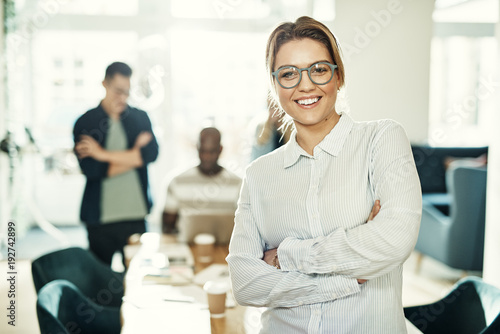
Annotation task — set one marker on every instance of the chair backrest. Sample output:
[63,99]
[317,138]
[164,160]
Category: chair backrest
[459,312]
[472,306]
[80,267]
[490,300]
[467,186]
[430,164]
[62,308]
[47,311]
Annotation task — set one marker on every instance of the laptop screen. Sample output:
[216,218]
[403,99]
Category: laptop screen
[220,225]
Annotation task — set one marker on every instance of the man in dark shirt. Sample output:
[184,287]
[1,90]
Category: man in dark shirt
[114,143]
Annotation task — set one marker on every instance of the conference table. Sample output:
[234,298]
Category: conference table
[177,304]
[153,305]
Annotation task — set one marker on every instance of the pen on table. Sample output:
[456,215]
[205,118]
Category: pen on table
[180,299]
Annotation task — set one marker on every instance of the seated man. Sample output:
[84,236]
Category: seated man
[205,189]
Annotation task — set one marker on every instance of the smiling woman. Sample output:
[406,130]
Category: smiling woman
[318,251]
[311,105]
[294,49]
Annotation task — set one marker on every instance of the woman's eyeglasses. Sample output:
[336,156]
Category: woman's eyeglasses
[290,76]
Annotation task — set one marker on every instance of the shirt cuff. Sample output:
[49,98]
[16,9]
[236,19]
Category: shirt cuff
[337,286]
[293,254]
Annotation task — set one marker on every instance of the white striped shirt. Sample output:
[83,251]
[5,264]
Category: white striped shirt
[314,209]
[194,193]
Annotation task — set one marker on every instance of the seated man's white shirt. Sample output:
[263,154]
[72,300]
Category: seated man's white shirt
[193,192]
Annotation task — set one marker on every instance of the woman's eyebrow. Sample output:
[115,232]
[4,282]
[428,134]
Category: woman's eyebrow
[315,62]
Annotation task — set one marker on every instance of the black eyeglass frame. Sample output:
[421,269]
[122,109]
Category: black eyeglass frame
[300,70]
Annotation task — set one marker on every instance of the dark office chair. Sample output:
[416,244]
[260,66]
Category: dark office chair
[457,240]
[63,309]
[93,278]
[472,307]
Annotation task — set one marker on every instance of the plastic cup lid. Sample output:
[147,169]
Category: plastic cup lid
[216,287]
[204,239]
[149,238]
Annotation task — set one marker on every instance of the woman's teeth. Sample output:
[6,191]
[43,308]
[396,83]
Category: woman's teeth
[306,102]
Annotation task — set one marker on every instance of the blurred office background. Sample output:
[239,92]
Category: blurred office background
[430,65]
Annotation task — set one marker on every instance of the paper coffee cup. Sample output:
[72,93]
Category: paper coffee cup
[216,294]
[150,242]
[204,247]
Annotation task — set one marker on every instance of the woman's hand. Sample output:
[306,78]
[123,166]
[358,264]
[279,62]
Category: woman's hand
[271,257]
[375,210]
[373,213]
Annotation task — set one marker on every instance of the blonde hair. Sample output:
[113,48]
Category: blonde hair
[303,27]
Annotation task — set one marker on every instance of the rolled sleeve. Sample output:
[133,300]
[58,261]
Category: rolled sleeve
[149,153]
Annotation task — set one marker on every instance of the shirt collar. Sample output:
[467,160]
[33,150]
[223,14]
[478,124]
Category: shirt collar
[331,144]
[105,114]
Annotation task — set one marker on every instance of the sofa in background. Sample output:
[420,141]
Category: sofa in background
[457,239]
[431,162]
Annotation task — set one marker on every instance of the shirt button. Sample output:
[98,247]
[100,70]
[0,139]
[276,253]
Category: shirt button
[334,295]
[301,303]
[334,268]
[300,267]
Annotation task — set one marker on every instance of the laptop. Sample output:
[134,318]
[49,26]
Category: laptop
[220,225]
